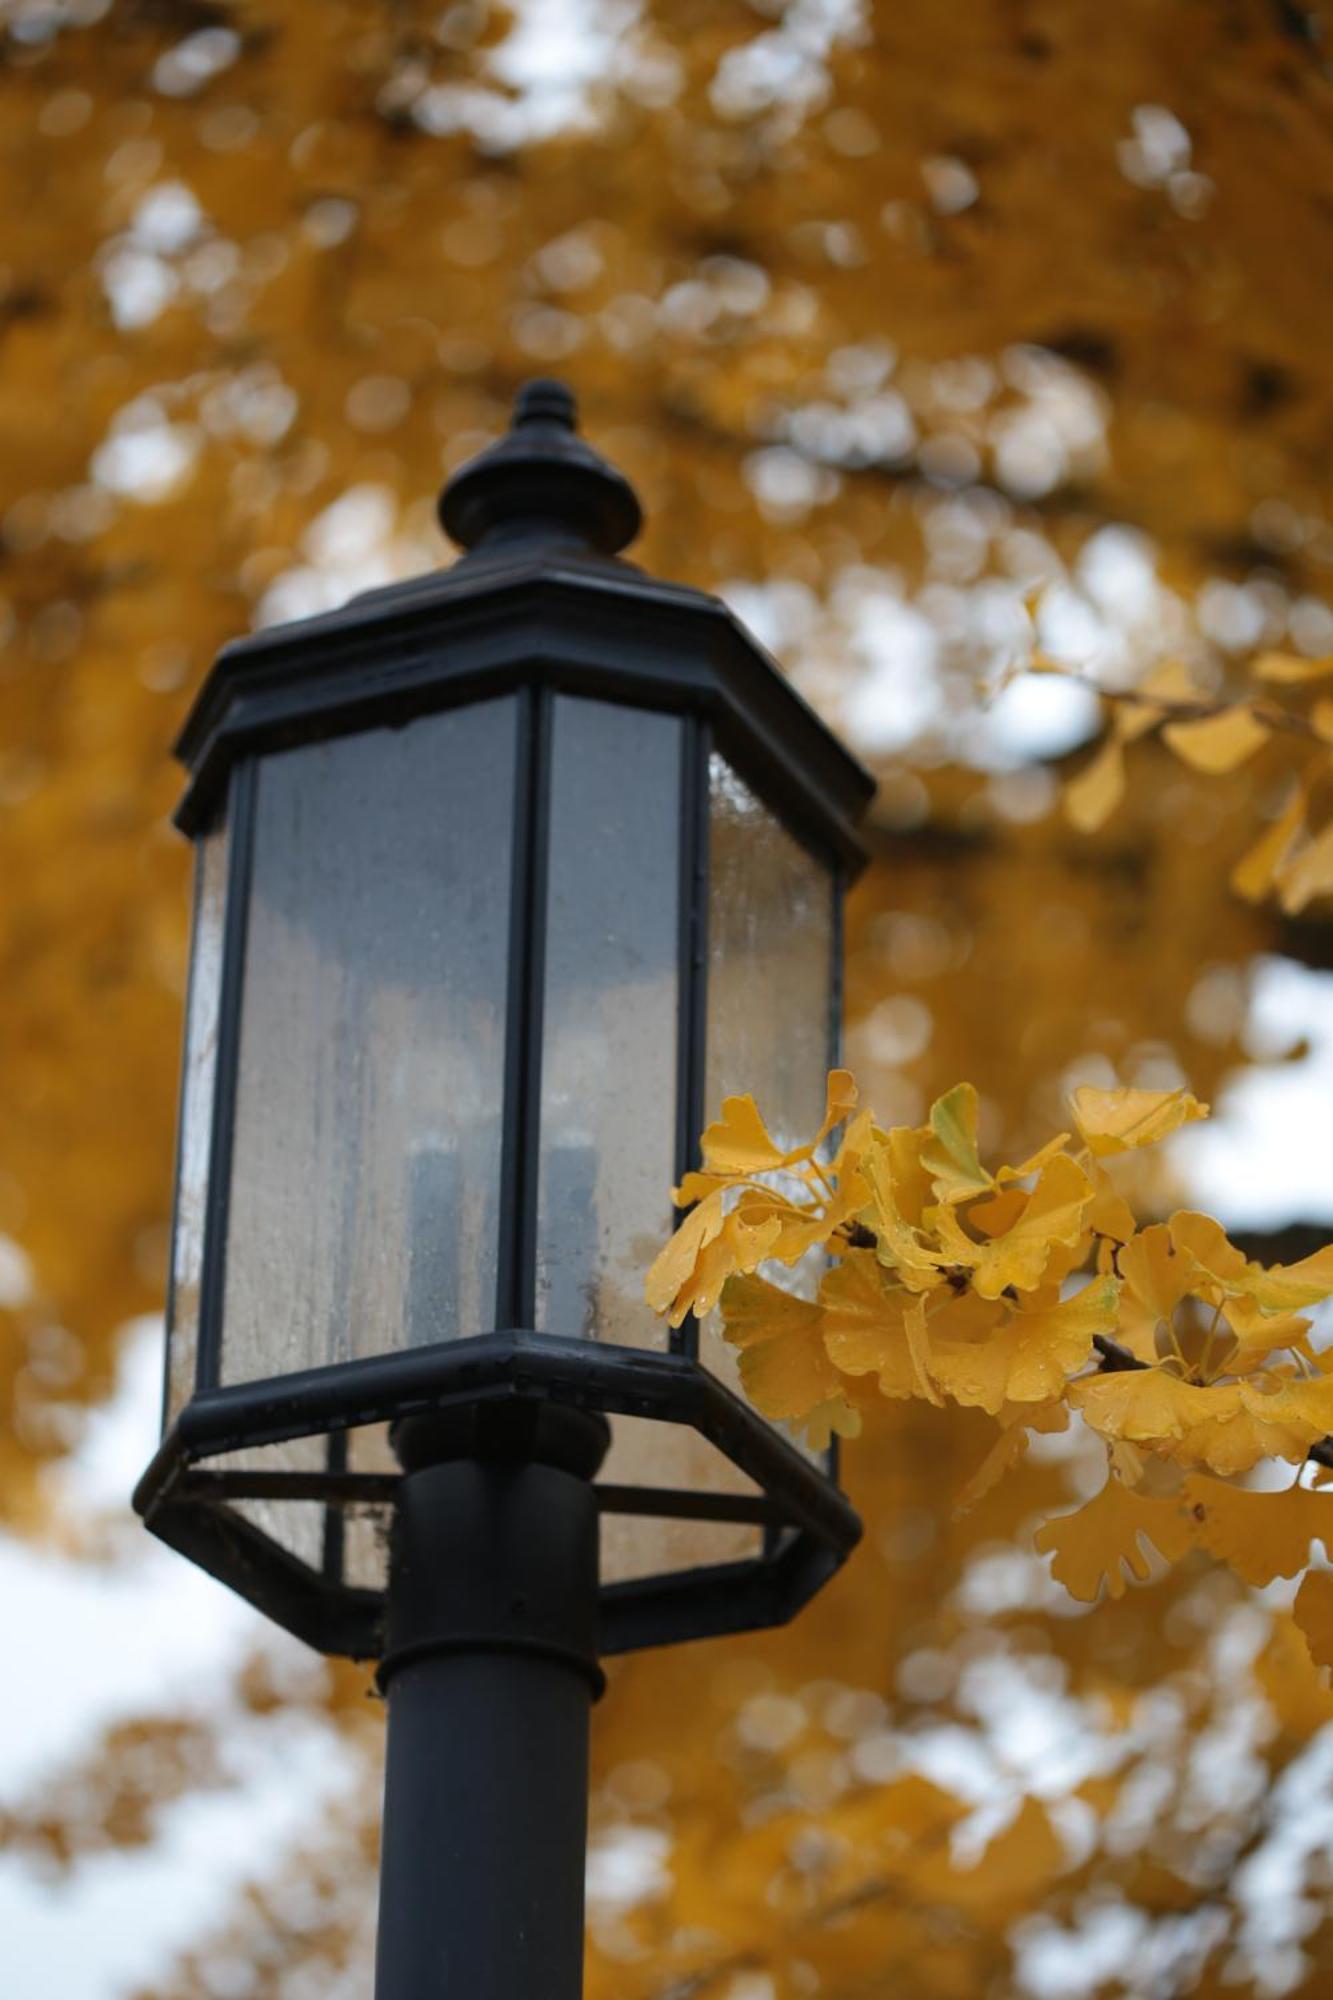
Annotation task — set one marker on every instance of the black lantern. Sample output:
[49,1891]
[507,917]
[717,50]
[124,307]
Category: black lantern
[504,876]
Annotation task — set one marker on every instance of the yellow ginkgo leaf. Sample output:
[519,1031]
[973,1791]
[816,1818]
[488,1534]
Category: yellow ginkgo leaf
[1114,1121]
[784,1367]
[840,1101]
[1290,669]
[1000,1212]
[1170,680]
[864,1324]
[1287,1288]
[912,1189]
[1095,1545]
[1157,1275]
[754,1311]
[673,1268]
[1309,874]
[1285,1413]
[1109,1214]
[1033,1165]
[1313,1612]
[1150,1405]
[1295,1688]
[1008,1450]
[1276,1288]
[741,1247]
[1094,794]
[1206,1251]
[799,1230]
[1261,1336]
[1030,1358]
[919,1348]
[1258,868]
[739,1142]
[1019,1422]
[1259,1535]
[949,1154]
[898,1245]
[1052,1216]
[708,1247]
[835,1417]
[1226,1427]
[1218,743]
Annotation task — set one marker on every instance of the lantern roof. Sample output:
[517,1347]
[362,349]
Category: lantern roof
[541,591]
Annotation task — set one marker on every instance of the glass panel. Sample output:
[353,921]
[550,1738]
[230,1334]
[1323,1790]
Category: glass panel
[644,1453]
[366,1546]
[609,1028]
[632,1549]
[295,1525]
[369,1450]
[770,960]
[366,1162]
[198,1078]
[770,957]
[366,1524]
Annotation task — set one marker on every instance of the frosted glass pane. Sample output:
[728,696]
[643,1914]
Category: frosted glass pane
[198,1079]
[644,1453]
[366,1524]
[366,1546]
[634,1549]
[610,1022]
[770,960]
[369,1450]
[770,956]
[365,1172]
[296,1525]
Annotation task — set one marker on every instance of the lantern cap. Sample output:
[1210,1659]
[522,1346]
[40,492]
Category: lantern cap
[541,484]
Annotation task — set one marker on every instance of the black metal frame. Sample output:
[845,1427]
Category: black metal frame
[534,622]
[181,1503]
[492,624]
[242,792]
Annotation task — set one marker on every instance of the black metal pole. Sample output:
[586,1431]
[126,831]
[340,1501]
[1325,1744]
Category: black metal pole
[490,1670]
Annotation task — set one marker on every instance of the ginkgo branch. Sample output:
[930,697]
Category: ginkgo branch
[1022,1290]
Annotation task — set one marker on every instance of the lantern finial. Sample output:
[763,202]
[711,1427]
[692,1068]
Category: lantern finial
[541,485]
[545,399]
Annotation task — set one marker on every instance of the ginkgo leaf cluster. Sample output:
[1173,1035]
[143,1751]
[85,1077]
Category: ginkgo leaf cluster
[1028,1291]
[1288,705]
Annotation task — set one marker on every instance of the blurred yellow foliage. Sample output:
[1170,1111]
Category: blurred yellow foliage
[930,337]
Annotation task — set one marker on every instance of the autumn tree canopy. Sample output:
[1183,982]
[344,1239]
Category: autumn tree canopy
[939,342]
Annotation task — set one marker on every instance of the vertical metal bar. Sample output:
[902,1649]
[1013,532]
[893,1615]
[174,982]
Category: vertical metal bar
[236,917]
[520,1145]
[837,971]
[191,975]
[692,971]
[335,1520]
[837,975]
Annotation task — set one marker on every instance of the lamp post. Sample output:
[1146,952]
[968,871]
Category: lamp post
[503,875]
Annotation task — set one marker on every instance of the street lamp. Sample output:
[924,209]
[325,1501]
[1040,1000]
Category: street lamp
[504,875]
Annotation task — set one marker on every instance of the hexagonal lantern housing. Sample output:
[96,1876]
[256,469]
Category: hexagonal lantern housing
[505,877]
